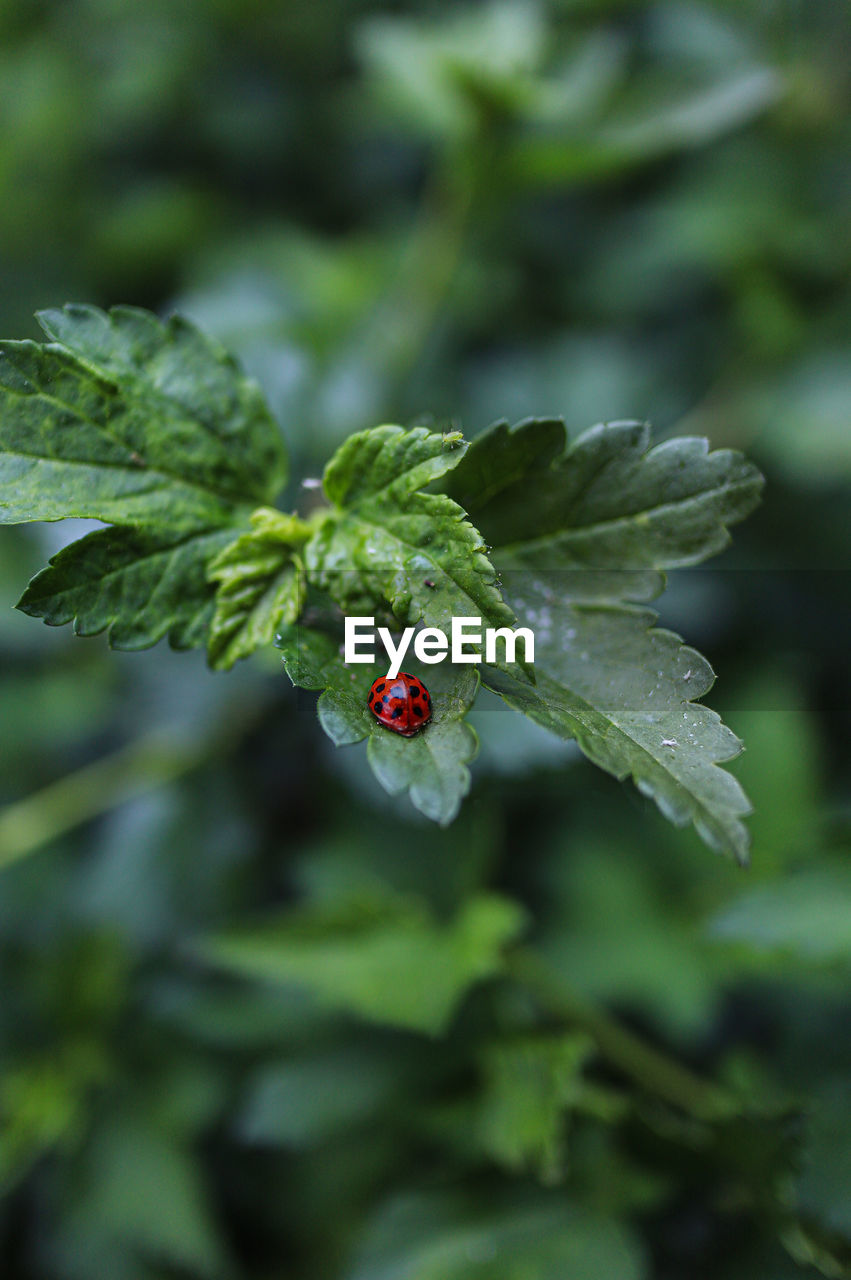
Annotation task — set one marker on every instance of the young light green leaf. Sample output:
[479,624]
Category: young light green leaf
[432,766]
[260,586]
[609,503]
[141,585]
[389,461]
[387,541]
[528,1087]
[132,422]
[625,691]
[386,960]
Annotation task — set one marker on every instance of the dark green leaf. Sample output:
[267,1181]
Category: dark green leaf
[143,1188]
[610,503]
[132,422]
[141,585]
[824,1187]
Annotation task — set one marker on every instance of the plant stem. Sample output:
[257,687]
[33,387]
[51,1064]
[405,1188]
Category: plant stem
[647,1066]
[152,761]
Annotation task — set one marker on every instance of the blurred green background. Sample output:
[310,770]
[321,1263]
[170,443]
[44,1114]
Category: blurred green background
[421,213]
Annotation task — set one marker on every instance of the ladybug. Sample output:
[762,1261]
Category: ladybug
[403,704]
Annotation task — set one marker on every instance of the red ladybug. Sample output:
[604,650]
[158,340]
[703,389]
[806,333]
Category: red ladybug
[403,704]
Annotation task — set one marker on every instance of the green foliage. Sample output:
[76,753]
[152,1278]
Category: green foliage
[126,420]
[625,691]
[433,1239]
[260,585]
[805,914]
[528,1089]
[609,502]
[606,511]
[433,765]
[139,584]
[382,959]
[388,541]
[151,428]
[430,216]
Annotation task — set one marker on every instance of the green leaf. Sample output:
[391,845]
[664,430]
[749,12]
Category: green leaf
[807,915]
[529,1085]
[143,1188]
[625,691]
[141,585]
[438,1237]
[638,136]
[260,586]
[432,766]
[504,460]
[41,1106]
[388,541]
[131,421]
[384,959]
[609,503]
[824,1189]
[319,1095]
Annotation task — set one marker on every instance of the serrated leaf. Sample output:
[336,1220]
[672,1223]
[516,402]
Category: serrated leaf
[140,585]
[432,766]
[386,960]
[625,691]
[504,458]
[389,461]
[609,503]
[260,586]
[131,421]
[388,541]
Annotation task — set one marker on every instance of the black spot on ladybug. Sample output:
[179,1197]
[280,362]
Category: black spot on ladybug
[379,688]
[415,693]
[418,712]
[396,712]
